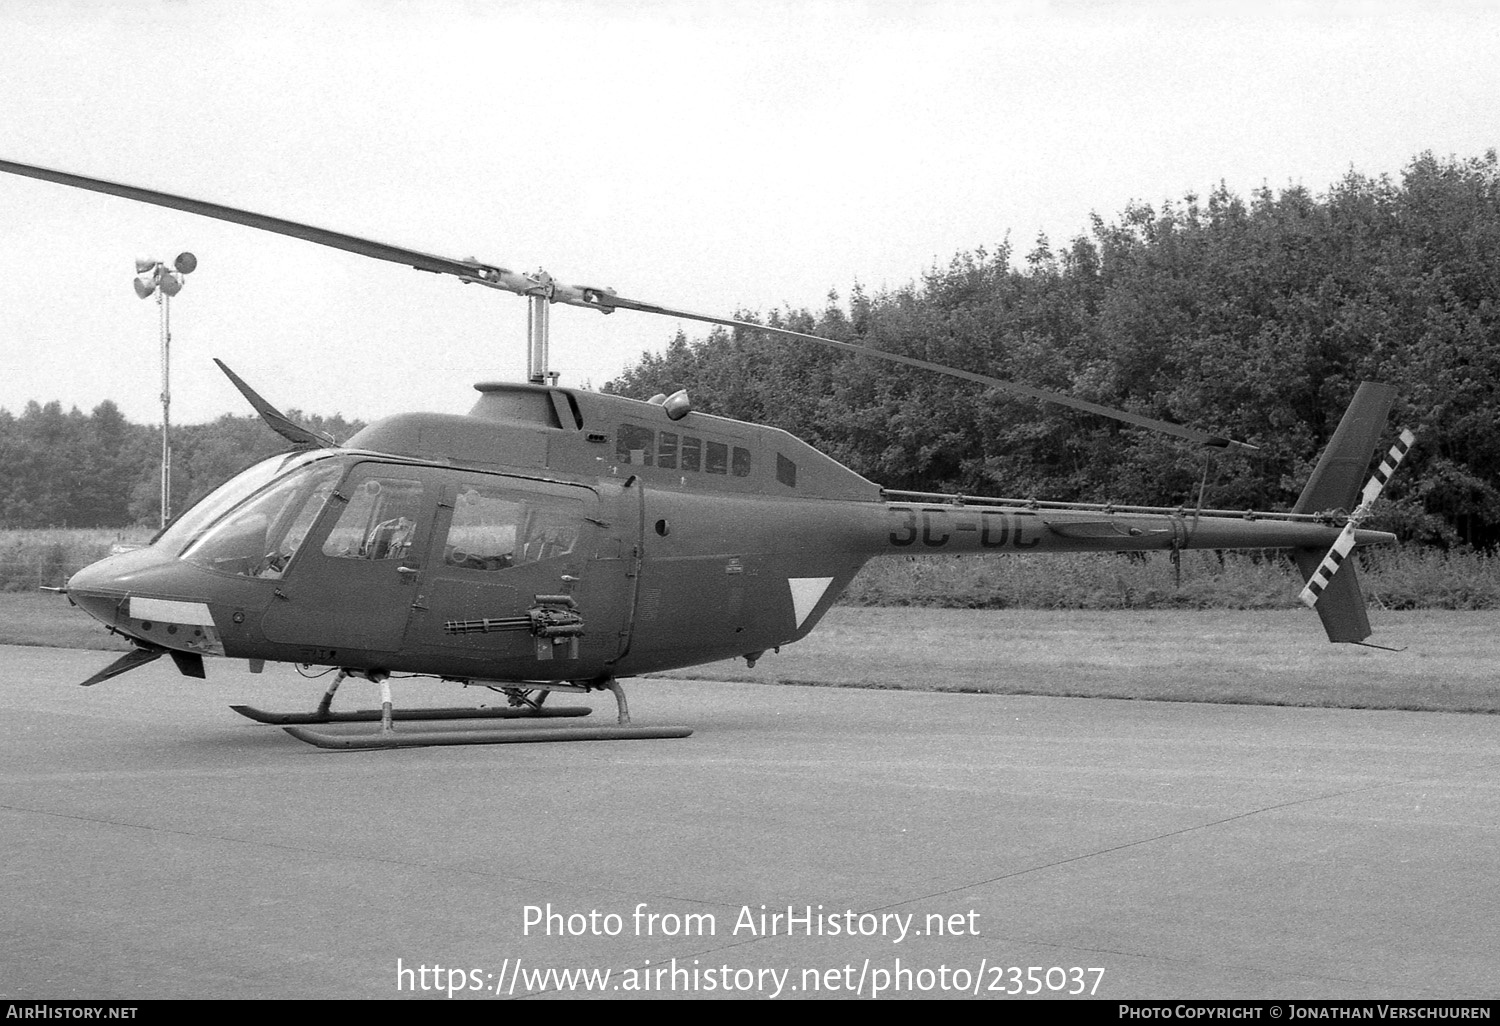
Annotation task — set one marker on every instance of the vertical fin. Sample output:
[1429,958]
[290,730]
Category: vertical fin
[1318,580]
[1335,481]
[1332,579]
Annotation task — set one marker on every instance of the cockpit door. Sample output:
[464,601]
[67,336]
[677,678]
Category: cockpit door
[353,586]
[513,560]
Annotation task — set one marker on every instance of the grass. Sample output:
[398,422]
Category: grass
[1410,578]
[45,558]
[1268,657]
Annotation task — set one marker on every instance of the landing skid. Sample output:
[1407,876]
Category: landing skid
[526,704]
[521,735]
[374,715]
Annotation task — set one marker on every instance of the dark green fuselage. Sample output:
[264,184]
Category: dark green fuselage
[561,535]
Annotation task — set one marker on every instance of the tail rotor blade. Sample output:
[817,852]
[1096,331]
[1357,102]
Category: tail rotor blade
[1386,469]
[1318,582]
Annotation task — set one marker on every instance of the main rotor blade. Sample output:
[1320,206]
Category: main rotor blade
[1191,434]
[322,236]
[603,300]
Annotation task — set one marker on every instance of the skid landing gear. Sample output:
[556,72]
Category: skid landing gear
[522,706]
[526,703]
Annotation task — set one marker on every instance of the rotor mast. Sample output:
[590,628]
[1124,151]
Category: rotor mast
[541,291]
[538,324]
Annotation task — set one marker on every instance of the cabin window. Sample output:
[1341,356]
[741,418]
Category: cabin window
[482,535]
[493,528]
[741,464]
[547,532]
[634,444]
[718,458]
[666,453]
[786,471]
[692,453]
[379,521]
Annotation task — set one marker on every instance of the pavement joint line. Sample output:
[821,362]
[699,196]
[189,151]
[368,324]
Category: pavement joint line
[732,944]
[358,857]
[1274,973]
[1168,959]
[1142,840]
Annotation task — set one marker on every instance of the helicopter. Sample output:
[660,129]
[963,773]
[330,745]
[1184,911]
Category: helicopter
[559,539]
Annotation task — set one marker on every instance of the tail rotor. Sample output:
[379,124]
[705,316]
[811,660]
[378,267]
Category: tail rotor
[1323,575]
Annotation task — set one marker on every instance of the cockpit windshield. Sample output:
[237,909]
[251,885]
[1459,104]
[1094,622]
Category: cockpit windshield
[186,528]
[267,518]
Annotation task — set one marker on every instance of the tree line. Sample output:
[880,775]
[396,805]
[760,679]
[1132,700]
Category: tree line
[98,470]
[1252,317]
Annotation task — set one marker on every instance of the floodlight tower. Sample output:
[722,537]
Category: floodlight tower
[153,276]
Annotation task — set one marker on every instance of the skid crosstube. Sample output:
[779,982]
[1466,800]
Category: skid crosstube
[497,736]
[374,715]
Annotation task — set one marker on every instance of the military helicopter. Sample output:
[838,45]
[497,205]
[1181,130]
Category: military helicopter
[557,539]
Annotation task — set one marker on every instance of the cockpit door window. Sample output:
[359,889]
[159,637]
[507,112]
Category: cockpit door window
[380,520]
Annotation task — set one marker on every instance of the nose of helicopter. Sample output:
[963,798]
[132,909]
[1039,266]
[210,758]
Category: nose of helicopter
[128,593]
[84,592]
[101,589]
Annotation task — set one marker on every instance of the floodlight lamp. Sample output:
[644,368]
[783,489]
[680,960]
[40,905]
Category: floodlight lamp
[143,264]
[185,263]
[170,284]
[144,288]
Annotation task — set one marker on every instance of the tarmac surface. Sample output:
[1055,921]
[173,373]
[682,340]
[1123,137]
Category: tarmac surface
[155,845]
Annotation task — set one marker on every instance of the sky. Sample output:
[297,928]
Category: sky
[712,156]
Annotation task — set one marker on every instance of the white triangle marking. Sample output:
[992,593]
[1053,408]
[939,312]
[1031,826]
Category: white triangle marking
[806,591]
